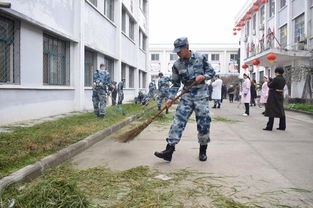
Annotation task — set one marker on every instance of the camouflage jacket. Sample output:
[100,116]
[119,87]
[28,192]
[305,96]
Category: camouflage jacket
[185,71]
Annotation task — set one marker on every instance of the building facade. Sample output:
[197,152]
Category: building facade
[50,49]
[223,58]
[283,28]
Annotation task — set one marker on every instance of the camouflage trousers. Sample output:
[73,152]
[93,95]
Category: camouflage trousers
[99,101]
[120,97]
[183,112]
[162,95]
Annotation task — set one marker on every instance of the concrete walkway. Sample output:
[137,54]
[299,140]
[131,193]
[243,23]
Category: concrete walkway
[260,160]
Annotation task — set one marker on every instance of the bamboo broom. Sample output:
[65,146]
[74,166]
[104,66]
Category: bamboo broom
[136,130]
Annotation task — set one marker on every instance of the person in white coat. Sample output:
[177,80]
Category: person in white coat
[246,94]
[217,91]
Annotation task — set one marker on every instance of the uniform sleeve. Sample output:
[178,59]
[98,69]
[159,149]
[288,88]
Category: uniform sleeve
[176,83]
[208,69]
[95,76]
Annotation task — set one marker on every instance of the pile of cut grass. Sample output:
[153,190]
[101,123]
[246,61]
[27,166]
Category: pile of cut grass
[136,187]
[26,145]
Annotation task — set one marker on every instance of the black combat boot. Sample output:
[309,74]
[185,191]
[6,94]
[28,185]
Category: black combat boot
[202,153]
[166,111]
[159,107]
[167,153]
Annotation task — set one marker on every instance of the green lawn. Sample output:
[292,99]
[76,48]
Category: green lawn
[26,145]
[298,106]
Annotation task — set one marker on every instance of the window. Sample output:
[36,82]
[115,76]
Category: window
[155,57]
[254,24]
[123,71]
[142,40]
[144,79]
[173,57]
[124,20]
[131,28]
[233,57]
[143,6]
[299,28]
[55,61]
[247,28]
[109,63]
[131,77]
[282,3]
[9,54]
[283,36]
[215,57]
[94,2]
[90,67]
[109,9]
[262,15]
[261,76]
[271,8]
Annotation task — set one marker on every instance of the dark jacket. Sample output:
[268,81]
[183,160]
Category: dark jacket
[253,90]
[274,106]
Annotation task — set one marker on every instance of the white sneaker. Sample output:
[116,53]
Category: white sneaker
[245,114]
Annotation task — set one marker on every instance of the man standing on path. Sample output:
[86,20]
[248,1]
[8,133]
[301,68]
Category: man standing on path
[120,92]
[152,88]
[101,82]
[190,67]
[217,91]
[163,87]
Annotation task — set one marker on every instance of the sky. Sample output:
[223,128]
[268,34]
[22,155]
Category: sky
[202,21]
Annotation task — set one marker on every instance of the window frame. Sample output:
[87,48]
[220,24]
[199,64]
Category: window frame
[156,55]
[109,9]
[283,39]
[89,71]
[302,25]
[215,57]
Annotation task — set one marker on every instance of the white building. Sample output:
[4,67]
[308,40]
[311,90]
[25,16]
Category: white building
[284,28]
[49,50]
[223,58]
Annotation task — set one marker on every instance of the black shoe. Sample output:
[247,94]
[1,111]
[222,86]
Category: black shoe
[266,129]
[281,129]
[214,106]
[202,152]
[166,111]
[167,153]
[219,106]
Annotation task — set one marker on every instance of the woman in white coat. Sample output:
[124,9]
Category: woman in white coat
[217,92]
[245,94]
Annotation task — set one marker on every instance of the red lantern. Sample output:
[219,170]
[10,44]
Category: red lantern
[243,24]
[234,33]
[256,3]
[271,57]
[256,62]
[238,29]
[264,1]
[238,25]
[244,66]
[242,20]
[234,29]
[255,9]
[249,12]
[248,18]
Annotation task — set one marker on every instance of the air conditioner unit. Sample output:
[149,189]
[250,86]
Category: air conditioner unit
[300,46]
[261,27]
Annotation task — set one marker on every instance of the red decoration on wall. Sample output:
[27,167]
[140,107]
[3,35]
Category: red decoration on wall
[243,24]
[234,29]
[238,29]
[255,9]
[256,62]
[234,33]
[256,3]
[249,12]
[244,66]
[248,18]
[264,1]
[243,19]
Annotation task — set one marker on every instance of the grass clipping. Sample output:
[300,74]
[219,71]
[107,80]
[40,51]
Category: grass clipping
[133,188]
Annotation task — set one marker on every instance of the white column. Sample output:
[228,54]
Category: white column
[118,21]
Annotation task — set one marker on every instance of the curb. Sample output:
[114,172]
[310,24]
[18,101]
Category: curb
[34,170]
[299,111]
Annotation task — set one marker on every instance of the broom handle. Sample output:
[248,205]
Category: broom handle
[176,98]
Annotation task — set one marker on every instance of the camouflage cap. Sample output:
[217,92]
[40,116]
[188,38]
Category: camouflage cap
[179,44]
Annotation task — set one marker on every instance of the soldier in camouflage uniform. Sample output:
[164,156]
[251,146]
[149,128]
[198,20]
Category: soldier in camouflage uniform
[101,82]
[152,88]
[120,91]
[163,87]
[190,67]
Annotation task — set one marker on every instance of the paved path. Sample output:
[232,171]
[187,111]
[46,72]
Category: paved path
[263,160]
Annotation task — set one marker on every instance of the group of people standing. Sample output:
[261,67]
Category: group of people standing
[103,87]
[272,97]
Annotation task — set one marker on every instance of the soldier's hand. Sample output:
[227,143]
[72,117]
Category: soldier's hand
[169,103]
[200,78]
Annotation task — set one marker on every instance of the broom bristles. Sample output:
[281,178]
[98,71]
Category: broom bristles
[132,132]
